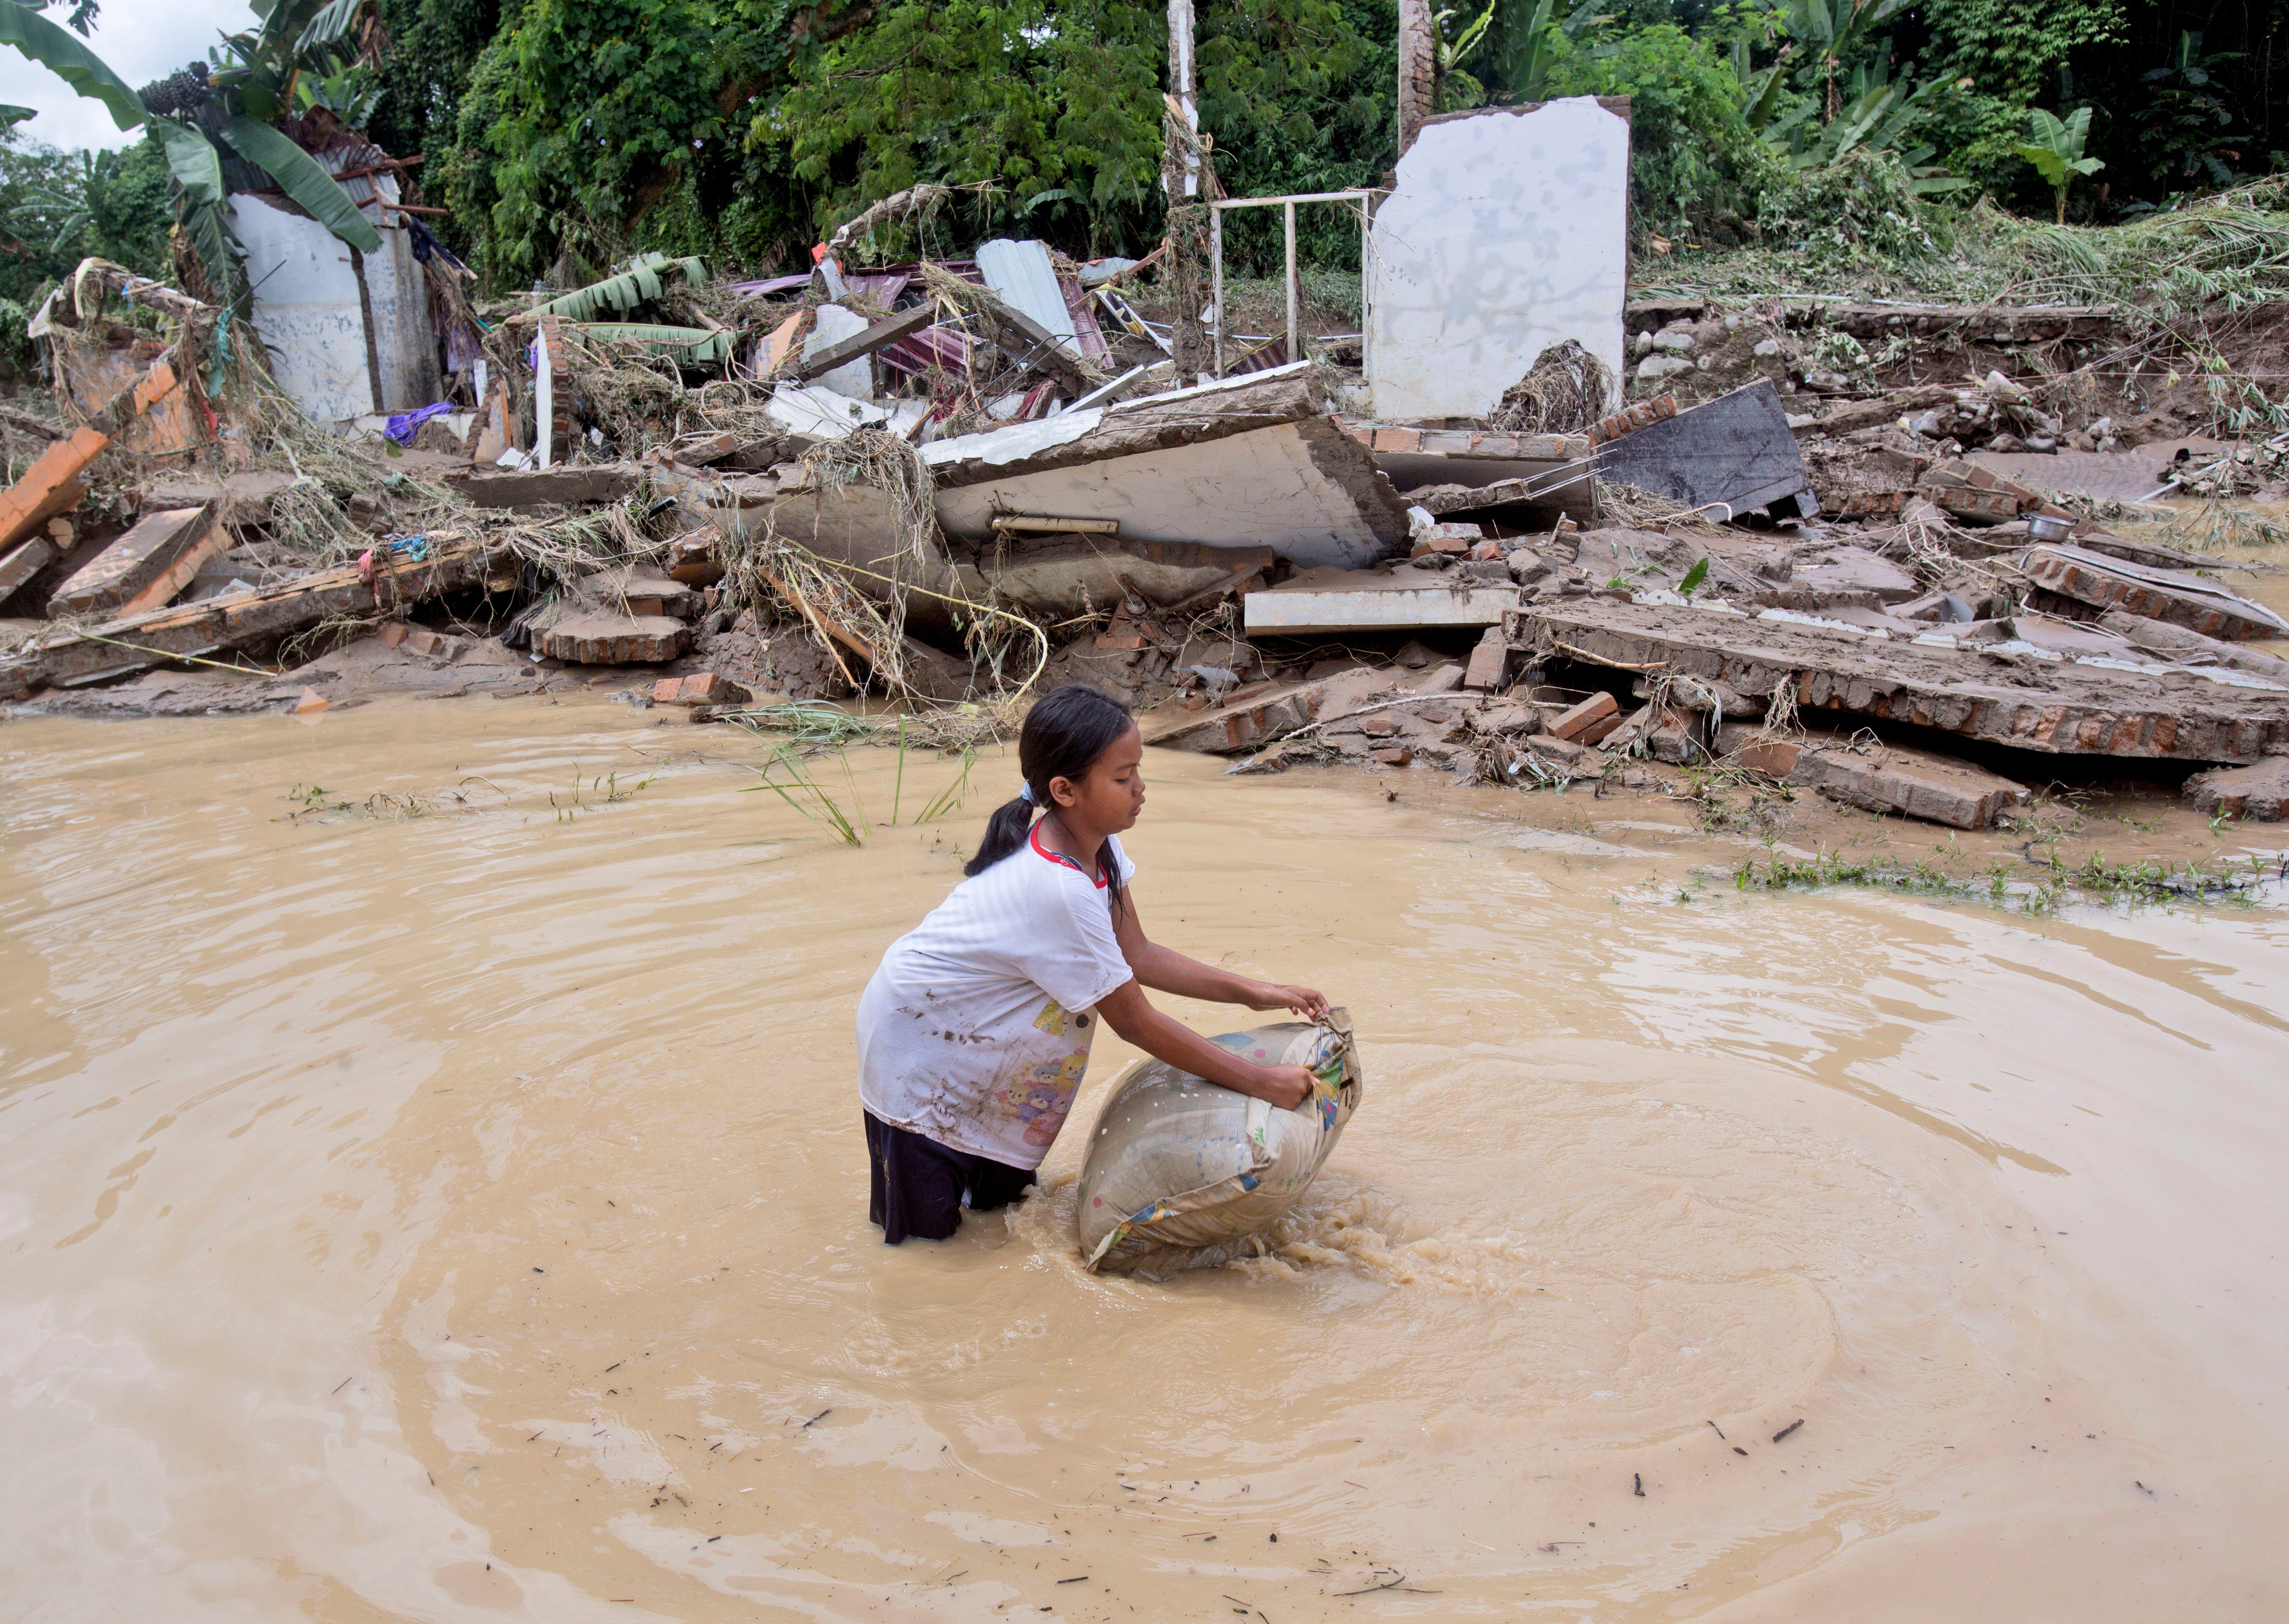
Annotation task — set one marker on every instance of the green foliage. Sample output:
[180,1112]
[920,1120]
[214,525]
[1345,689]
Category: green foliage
[2012,49]
[64,206]
[1859,210]
[2182,132]
[599,93]
[302,179]
[2056,151]
[1301,96]
[426,75]
[1696,169]
[1056,105]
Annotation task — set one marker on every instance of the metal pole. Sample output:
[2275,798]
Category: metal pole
[1216,281]
[1294,344]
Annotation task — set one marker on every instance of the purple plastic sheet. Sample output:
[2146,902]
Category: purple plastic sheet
[403,427]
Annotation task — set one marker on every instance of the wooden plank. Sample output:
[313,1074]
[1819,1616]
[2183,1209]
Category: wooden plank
[1024,339]
[860,345]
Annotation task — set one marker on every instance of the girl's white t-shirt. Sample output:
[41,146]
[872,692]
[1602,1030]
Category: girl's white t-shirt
[975,1028]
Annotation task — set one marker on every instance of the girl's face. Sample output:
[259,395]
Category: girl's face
[1110,796]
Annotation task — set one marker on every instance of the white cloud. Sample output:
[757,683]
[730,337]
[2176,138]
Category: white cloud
[143,40]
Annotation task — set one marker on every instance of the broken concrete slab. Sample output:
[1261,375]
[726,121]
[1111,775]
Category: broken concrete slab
[2003,693]
[2259,793]
[1066,575]
[1466,469]
[2184,645]
[1839,578]
[171,583]
[244,498]
[1728,456]
[1247,462]
[449,562]
[2173,596]
[134,562]
[1333,600]
[1506,233]
[1258,716]
[571,486]
[604,639]
[1890,778]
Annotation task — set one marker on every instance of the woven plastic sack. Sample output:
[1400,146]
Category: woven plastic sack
[1181,1172]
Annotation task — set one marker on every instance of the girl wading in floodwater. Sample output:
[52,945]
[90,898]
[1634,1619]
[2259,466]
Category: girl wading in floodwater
[975,1031]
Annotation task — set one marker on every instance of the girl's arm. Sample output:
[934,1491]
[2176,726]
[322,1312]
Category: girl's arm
[1128,1011]
[1166,970]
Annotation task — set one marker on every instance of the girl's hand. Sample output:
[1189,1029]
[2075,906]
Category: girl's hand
[1284,1086]
[1302,1000]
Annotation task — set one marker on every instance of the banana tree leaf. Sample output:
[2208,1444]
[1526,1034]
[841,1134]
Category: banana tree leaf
[62,53]
[197,167]
[691,346]
[305,180]
[332,25]
[626,291]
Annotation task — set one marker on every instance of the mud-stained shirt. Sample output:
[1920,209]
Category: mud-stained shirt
[975,1028]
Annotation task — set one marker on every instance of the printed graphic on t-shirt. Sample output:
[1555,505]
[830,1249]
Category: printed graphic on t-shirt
[1043,1100]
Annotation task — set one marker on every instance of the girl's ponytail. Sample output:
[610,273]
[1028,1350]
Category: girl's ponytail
[1005,832]
[1063,735]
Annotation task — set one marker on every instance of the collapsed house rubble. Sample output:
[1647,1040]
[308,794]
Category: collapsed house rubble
[1495,548]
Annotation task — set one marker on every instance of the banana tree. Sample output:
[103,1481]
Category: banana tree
[2056,150]
[1837,31]
[202,112]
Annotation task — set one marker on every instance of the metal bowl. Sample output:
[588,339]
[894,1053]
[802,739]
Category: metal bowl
[2043,527]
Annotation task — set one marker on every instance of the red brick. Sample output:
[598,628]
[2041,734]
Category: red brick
[1489,666]
[393,632]
[31,501]
[1772,757]
[1395,756]
[1600,711]
[711,688]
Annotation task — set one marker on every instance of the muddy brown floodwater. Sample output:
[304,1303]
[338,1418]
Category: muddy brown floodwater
[462,1215]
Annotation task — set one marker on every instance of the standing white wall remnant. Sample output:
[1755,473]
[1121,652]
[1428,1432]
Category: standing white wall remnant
[1508,232]
[854,379]
[308,314]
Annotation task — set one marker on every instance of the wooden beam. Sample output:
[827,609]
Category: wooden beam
[860,345]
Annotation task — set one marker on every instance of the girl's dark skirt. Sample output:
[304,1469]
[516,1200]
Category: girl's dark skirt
[917,1185]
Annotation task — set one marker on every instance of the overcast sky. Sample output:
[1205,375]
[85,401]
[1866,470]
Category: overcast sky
[143,40]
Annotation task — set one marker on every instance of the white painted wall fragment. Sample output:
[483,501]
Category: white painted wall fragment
[1507,233]
[1305,489]
[853,379]
[306,308]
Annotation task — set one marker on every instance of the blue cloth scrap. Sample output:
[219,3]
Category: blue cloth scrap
[402,426]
